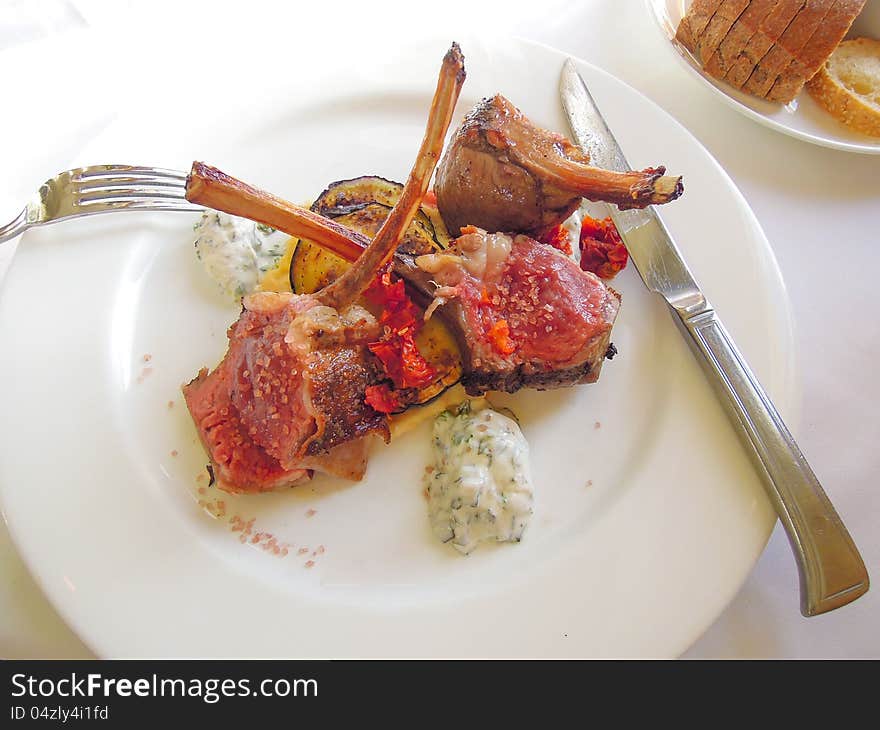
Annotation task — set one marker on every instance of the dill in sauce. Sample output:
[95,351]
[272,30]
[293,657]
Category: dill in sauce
[237,252]
[480,487]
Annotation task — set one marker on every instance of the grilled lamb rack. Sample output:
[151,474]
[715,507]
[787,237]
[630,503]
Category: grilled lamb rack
[288,397]
[524,314]
[502,173]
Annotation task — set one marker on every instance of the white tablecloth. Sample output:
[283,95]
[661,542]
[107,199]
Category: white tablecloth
[819,208]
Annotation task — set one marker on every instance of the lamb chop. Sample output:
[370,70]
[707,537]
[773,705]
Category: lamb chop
[524,313]
[239,406]
[288,396]
[502,173]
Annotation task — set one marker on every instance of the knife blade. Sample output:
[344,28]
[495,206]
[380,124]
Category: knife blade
[830,568]
[650,246]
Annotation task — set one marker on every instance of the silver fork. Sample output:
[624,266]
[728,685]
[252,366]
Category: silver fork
[101,189]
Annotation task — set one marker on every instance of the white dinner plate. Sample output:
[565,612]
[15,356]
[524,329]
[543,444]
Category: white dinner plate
[648,515]
[802,118]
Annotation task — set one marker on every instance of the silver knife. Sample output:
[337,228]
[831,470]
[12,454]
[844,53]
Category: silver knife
[831,570]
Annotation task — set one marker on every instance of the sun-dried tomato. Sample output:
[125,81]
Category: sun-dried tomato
[499,336]
[402,361]
[602,251]
[397,350]
[558,238]
[381,398]
[398,310]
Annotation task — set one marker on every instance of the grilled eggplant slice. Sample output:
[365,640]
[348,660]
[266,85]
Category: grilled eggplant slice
[357,192]
[346,196]
[313,267]
[362,204]
[441,234]
[419,237]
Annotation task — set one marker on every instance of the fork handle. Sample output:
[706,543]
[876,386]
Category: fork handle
[15,227]
[831,570]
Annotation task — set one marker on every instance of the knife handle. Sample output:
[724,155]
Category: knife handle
[831,570]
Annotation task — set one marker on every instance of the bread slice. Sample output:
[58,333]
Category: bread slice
[738,37]
[816,50]
[848,85]
[788,47]
[725,16]
[684,35]
[694,22]
[769,31]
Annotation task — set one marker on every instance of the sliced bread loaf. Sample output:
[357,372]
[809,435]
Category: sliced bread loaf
[767,48]
[816,50]
[769,31]
[738,37]
[788,47]
[694,22]
[722,21]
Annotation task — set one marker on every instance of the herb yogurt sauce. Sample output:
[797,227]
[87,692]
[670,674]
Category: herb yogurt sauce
[236,252]
[480,487]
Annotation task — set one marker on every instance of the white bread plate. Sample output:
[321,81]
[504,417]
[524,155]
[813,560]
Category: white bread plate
[802,118]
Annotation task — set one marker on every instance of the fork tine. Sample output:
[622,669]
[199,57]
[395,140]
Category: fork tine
[96,183]
[106,206]
[95,171]
[137,193]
